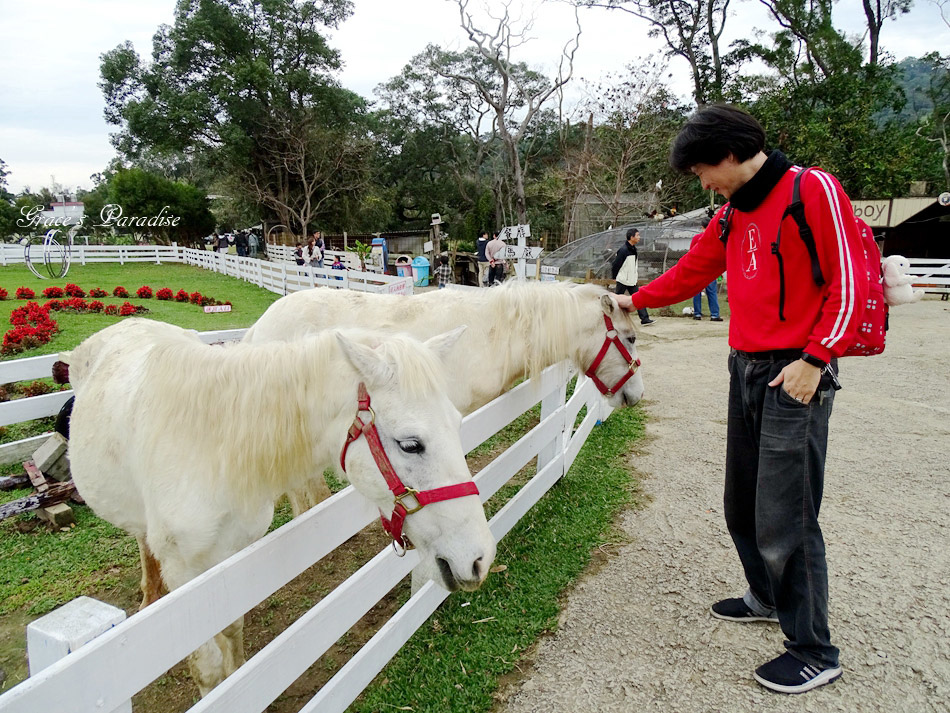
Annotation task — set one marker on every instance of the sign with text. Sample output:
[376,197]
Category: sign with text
[217,308]
[519,252]
[550,270]
[515,232]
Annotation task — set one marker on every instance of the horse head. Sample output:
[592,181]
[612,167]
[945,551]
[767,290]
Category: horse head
[404,453]
[611,354]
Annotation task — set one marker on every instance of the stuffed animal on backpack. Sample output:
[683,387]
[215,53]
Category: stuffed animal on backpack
[897,283]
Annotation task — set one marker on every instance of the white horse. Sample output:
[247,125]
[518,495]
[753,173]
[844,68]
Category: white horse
[514,330]
[187,446]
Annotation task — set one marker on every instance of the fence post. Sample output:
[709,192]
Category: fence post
[549,404]
[63,630]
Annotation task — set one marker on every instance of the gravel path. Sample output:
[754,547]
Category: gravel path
[637,636]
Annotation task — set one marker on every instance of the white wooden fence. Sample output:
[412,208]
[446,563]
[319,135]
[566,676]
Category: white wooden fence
[281,276]
[104,674]
[930,275]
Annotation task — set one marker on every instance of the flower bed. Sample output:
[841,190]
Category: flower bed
[33,326]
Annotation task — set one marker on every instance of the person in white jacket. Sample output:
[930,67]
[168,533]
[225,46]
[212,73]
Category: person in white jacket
[624,270]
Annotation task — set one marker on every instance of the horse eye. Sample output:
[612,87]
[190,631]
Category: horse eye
[632,339]
[411,445]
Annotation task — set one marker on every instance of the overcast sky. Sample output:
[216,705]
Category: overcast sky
[51,124]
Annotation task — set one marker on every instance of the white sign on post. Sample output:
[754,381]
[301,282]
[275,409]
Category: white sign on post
[520,252]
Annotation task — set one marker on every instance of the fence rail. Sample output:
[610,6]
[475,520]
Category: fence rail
[281,275]
[104,674]
[930,275]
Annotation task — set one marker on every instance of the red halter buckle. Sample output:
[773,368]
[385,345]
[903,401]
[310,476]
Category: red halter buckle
[633,364]
[393,525]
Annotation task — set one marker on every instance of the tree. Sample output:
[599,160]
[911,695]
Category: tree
[134,201]
[691,30]
[8,213]
[935,127]
[876,12]
[514,92]
[227,80]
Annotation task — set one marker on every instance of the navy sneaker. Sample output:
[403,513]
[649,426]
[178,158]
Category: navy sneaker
[738,610]
[697,316]
[715,319]
[787,674]
[647,321]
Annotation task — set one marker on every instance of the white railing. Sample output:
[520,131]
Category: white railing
[282,276]
[105,673]
[930,275]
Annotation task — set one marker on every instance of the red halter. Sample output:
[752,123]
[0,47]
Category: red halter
[393,525]
[611,338]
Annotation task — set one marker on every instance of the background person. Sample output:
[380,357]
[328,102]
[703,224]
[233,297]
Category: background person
[712,296]
[495,252]
[782,372]
[483,264]
[624,270]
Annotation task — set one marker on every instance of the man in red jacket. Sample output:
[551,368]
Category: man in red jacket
[785,332]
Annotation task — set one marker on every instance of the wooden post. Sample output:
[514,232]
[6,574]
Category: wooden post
[63,630]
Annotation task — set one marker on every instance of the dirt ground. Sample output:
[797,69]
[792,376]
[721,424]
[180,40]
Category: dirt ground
[637,635]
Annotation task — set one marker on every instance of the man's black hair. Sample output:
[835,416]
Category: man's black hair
[631,232]
[714,132]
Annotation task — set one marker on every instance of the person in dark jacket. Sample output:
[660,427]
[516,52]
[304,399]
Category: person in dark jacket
[624,270]
[483,263]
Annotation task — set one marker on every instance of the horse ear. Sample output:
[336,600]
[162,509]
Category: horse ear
[366,361]
[443,344]
[608,304]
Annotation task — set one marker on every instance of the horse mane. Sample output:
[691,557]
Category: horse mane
[265,417]
[548,315]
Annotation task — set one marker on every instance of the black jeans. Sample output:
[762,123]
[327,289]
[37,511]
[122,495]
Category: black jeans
[496,273]
[621,289]
[775,463]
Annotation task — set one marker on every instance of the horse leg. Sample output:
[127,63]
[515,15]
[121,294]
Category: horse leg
[231,643]
[315,491]
[218,657]
[151,574]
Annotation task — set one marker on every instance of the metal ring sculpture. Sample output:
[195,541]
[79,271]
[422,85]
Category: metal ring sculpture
[50,244]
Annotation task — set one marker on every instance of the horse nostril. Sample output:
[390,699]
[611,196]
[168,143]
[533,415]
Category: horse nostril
[477,569]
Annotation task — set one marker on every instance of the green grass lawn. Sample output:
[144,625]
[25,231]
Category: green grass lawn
[248,301]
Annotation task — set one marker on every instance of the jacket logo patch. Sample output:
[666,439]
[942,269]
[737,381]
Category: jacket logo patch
[750,251]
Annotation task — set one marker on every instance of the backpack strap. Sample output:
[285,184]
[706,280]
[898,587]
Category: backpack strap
[796,209]
[724,225]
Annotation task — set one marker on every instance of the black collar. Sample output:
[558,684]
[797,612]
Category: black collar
[753,192]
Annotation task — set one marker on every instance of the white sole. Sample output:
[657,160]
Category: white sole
[827,676]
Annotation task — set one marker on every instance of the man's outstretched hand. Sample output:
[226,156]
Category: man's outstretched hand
[625,302]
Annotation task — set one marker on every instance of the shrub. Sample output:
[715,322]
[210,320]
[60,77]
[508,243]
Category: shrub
[120,292]
[195,298]
[126,309]
[74,290]
[98,292]
[37,388]
[51,292]
[144,292]
[95,306]
[32,327]
[181,296]
[164,294]
[54,305]
[3,294]
[24,293]
[207,301]
[76,303]
[111,309]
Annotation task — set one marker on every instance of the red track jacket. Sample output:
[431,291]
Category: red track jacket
[821,320]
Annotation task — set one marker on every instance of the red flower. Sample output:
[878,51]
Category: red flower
[111,309]
[98,292]
[53,292]
[95,306]
[195,298]
[55,305]
[3,294]
[76,303]
[126,309]
[120,292]
[32,327]
[75,290]
[24,293]
[144,292]
[181,296]
[164,294]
